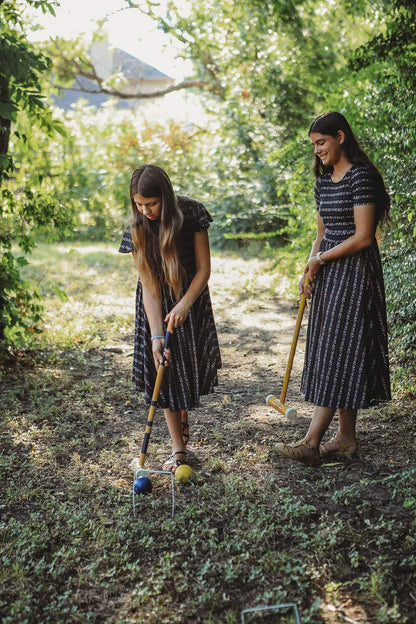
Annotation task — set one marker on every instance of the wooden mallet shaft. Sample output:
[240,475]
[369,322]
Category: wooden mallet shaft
[273,401]
[155,397]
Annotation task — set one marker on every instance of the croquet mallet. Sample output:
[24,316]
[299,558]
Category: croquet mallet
[155,397]
[273,401]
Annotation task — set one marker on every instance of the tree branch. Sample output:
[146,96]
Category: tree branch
[187,38]
[185,84]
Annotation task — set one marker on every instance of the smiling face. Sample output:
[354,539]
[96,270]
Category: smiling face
[328,148]
[149,207]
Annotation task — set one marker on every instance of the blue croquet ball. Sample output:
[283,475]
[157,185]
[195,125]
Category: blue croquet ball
[142,485]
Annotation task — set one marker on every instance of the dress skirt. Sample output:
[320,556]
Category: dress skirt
[195,355]
[346,361]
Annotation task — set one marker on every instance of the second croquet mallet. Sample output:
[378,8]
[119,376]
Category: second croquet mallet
[273,401]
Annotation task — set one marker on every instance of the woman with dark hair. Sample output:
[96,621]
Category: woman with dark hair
[168,238]
[346,362]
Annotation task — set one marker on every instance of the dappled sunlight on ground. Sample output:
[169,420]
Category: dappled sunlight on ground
[337,540]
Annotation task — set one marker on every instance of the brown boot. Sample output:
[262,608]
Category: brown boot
[301,452]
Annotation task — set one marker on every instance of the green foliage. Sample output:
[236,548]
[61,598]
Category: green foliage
[292,163]
[25,211]
[21,67]
[260,63]
[20,310]
[386,68]
[89,168]
[68,60]
[395,45]
[266,70]
[22,214]
[399,272]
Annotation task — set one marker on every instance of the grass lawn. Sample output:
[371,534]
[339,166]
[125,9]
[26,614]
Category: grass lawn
[250,530]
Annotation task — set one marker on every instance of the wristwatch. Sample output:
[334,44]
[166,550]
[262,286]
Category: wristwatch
[318,257]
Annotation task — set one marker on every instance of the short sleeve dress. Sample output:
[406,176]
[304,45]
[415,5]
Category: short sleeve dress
[346,359]
[195,353]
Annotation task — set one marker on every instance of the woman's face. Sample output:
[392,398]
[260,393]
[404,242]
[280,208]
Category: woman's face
[149,207]
[328,148]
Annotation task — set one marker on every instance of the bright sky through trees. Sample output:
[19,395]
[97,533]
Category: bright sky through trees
[127,29]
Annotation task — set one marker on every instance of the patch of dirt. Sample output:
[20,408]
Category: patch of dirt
[255,331]
[234,430]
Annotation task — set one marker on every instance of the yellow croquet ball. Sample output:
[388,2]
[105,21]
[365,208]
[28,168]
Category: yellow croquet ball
[183,473]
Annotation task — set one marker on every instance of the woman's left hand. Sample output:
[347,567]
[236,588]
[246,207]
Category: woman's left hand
[178,315]
[158,352]
[313,267]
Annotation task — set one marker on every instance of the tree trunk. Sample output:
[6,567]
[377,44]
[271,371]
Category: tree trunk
[4,136]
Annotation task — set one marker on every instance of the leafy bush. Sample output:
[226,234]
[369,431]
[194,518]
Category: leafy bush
[25,211]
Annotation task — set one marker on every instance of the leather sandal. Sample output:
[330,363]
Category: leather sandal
[174,462]
[337,448]
[185,427]
[301,452]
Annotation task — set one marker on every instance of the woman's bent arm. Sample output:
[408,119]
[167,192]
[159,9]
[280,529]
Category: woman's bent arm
[179,313]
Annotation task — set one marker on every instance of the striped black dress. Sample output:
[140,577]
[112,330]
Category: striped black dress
[346,361]
[195,354]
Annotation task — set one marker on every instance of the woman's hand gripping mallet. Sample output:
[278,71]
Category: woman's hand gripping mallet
[142,482]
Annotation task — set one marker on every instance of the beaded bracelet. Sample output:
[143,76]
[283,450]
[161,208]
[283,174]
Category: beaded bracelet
[156,336]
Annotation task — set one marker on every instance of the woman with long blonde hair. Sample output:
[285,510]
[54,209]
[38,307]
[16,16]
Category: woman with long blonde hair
[168,238]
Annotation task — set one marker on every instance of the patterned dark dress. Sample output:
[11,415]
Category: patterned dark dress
[195,354]
[346,361]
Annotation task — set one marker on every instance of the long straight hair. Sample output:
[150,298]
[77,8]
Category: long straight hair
[330,123]
[156,241]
